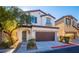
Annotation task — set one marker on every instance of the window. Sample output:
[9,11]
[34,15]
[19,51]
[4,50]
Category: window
[48,21]
[78,25]
[73,23]
[33,19]
[68,21]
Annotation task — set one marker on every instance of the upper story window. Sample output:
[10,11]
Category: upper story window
[73,23]
[68,21]
[78,25]
[48,21]
[33,19]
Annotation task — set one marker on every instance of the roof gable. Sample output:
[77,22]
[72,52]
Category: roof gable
[48,15]
[45,14]
[36,11]
[67,16]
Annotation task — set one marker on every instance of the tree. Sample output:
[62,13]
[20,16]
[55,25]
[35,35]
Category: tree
[20,15]
[9,20]
[25,19]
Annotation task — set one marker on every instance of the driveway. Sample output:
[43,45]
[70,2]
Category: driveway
[76,41]
[42,46]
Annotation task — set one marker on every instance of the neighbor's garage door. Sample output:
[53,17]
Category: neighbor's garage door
[45,36]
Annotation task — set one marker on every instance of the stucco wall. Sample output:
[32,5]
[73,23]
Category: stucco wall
[33,30]
[41,20]
[61,29]
[37,14]
[19,32]
[44,20]
[70,29]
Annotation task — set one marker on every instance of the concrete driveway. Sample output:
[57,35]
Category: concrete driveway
[76,41]
[42,46]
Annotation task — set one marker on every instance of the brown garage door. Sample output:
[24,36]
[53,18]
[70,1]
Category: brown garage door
[45,36]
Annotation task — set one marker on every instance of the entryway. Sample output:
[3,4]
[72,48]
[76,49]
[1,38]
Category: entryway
[24,36]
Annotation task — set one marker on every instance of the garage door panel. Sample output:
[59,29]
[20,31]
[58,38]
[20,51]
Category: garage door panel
[45,36]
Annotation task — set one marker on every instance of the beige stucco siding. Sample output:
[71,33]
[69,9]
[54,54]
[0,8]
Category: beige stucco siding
[70,29]
[61,29]
[37,14]
[59,22]
[44,20]
[65,29]
[41,20]
[19,32]
[31,32]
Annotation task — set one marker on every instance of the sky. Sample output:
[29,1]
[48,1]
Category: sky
[56,11]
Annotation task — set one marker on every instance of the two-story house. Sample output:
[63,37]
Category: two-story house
[67,26]
[41,28]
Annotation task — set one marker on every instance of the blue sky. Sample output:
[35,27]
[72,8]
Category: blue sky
[56,11]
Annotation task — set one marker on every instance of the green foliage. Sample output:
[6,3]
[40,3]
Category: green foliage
[25,18]
[9,25]
[9,19]
[13,13]
[31,44]
[61,38]
[5,14]
[4,45]
[16,11]
[66,39]
[6,42]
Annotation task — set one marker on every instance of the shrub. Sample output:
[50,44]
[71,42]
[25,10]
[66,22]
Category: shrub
[61,38]
[66,39]
[6,42]
[31,44]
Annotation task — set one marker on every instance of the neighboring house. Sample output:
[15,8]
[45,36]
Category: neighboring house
[41,28]
[67,26]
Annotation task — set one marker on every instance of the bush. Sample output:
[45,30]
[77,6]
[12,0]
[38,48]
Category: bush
[61,38]
[31,44]
[4,45]
[66,39]
[6,42]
